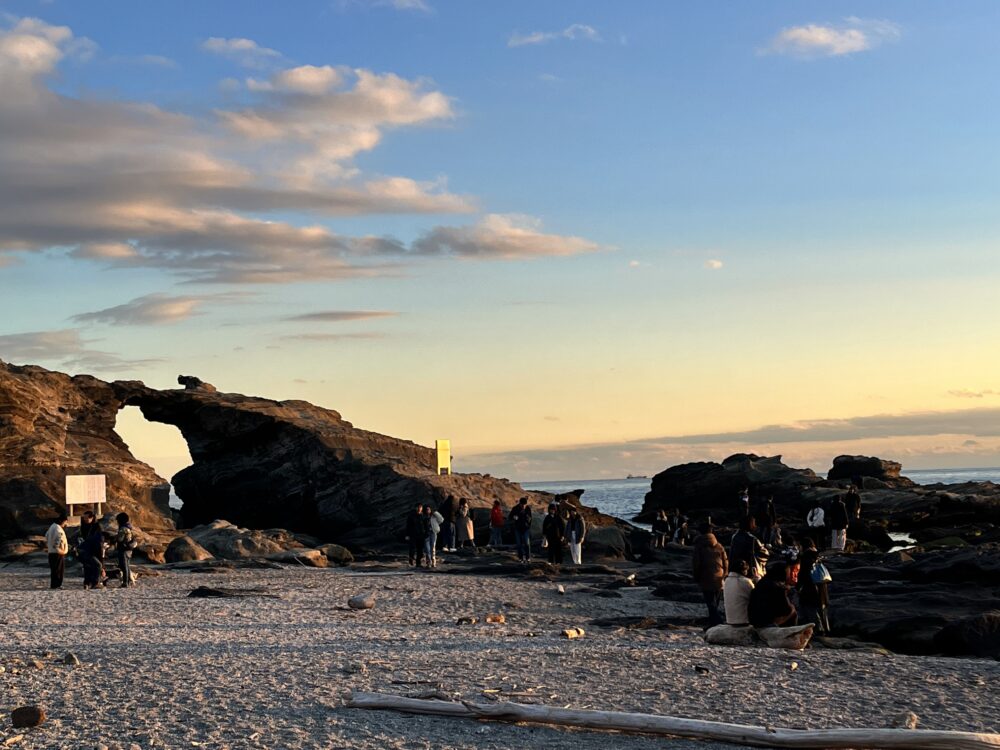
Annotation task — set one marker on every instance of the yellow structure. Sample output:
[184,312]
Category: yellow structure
[444,456]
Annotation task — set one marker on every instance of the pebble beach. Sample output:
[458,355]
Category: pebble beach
[273,669]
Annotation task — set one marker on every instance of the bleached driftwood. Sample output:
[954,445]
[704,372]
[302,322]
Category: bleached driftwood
[870,739]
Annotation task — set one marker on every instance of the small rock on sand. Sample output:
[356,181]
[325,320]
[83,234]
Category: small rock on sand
[27,716]
[906,720]
[71,659]
[361,601]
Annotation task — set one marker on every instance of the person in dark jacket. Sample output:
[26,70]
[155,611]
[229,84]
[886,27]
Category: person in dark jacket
[92,557]
[743,505]
[447,509]
[710,567]
[520,519]
[852,502]
[747,547]
[814,597]
[837,521]
[769,604]
[554,531]
[416,533]
[125,544]
[765,518]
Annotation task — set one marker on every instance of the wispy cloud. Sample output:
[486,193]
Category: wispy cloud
[576,31]
[334,337]
[411,5]
[340,316]
[245,52]
[713,265]
[63,348]
[153,309]
[833,40]
[496,236]
[965,393]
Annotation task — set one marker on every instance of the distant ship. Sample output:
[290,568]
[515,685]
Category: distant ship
[637,476]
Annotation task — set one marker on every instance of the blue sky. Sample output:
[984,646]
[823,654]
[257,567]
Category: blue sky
[584,223]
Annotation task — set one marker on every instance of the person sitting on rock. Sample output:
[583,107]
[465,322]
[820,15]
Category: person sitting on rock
[814,591]
[769,605]
[554,531]
[747,547]
[710,566]
[496,525]
[520,519]
[838,520]
[416,533]
[736,594]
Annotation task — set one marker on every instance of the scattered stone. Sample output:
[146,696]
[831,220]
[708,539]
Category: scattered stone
[793,666]
[27,716]
[467,621]
[310,558]
[361,601]
[572,633]
[205,592]
[496,618]
[701,669]
[561,589]
[71,659]
[37,664]
[905,720]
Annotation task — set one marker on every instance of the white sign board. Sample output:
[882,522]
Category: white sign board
[85,489]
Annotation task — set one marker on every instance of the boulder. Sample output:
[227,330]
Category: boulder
[27,716]
[15,549]
[186,549]
[796,638]
[336,554]
[977,565]
[311,558]
[857,468]
[971,636]
[230,542]
[606,541]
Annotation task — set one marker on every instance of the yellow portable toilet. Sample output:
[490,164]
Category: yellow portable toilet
[444,456]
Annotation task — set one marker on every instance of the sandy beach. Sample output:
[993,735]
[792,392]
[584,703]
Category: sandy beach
[161,670]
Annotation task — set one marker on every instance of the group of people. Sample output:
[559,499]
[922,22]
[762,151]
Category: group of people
[91,545]
[833,521]
[761,585]
[453,524]
[670,527]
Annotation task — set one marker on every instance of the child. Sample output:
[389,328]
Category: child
[125,542]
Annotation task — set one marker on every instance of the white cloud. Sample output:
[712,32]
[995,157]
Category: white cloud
[634,264]
[574,31]
[132,185]
[713,265]
[245,52]
[833,40]
[157,60]
[414,5]
[508,237]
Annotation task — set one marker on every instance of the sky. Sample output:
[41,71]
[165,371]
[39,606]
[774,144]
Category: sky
[577,239]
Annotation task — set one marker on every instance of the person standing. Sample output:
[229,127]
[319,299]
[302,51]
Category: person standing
[92,558]
[814,588]
[852,501]
[710,567]
[447,512]
[816,522]
[416,533]
[554,531]
[496,525]
[58,546]
[747,547]
[463,522]
[125,544]
[433,521]
[576,531]
[743,505]
[520,519]
[838,521]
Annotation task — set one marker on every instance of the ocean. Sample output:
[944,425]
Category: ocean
[623,497]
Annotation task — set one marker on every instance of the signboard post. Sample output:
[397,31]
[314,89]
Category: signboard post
[443,456]
[85,489]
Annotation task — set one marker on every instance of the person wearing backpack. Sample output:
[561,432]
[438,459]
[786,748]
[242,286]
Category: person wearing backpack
[520,518]
[814,588]
[745,546]
[125,543]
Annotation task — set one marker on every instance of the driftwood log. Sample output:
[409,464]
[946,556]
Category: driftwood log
[871,739]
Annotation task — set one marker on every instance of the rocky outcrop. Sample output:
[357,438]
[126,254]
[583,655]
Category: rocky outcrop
[868,472]
[52,425]
[708,488]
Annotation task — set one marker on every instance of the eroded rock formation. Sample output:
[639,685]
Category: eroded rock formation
[52,425]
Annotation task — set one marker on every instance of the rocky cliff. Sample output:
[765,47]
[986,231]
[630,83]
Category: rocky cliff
[52,425]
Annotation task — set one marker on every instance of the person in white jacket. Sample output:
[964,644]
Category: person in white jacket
[736,594]
[57,545]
